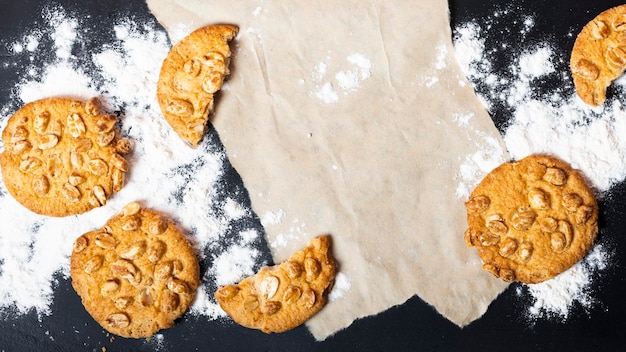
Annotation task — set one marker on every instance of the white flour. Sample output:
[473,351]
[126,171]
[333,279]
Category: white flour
[549,120]
[165,173]
[345,80]
[341,286]
[554,298]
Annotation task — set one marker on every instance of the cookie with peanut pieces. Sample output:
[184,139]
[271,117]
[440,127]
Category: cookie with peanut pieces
[599,55]
[281,297]
[193,71]
[531,219]
[135,275]
[63,156]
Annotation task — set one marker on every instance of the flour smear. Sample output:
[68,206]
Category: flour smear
[535,92]
[165,174]
[335,78]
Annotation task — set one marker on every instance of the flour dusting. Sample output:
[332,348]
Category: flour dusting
[165,174]
[546,116]
[347,78]
[555,298]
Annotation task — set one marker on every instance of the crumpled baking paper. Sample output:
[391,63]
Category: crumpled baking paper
[353,119]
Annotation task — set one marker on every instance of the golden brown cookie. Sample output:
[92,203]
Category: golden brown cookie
[137,274]
[599,55]
[532,219]
[282,297]
[63,156]
[192,72]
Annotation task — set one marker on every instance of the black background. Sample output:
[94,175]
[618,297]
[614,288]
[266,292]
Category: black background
[412,326]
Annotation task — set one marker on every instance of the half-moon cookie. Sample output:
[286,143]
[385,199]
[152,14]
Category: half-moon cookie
[192,72]
[599,55]
[284,296]
[63,156]
[532,219]
[135,275]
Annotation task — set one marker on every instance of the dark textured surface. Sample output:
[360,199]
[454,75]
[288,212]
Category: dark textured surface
[413,326]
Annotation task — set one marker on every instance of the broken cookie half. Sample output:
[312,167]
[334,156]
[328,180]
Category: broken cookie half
[599,55]
[284,296]
[193,71]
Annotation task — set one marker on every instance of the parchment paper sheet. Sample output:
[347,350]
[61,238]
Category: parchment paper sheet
[377,168]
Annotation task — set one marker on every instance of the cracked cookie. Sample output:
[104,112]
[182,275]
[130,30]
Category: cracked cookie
[284,296]
[63,156]
[531,219]
[599,55]
[137,274]
[193,71]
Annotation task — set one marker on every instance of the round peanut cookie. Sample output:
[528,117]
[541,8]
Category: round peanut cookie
[599,55]
[192,72]
[284,296]
[532,219]
[63,156]
[137,274]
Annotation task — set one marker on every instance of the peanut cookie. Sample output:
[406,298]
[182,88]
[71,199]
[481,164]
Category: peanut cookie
[192,72]
[532,219]
[282,297]
[63,156]
[137,274]
[599,55]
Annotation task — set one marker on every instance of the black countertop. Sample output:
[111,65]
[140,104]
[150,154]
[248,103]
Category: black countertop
[414,325]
